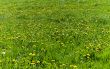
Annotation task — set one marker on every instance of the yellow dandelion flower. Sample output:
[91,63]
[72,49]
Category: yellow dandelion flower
[0,61]
[38,61]
[30,54]
[33,54]
[14,60]
[53,60]
[73,66]
[3,53]
[33,62]
[64,64]
[88,54]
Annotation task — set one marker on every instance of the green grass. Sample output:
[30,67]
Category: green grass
[54,34]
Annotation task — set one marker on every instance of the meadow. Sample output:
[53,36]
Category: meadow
[54,34]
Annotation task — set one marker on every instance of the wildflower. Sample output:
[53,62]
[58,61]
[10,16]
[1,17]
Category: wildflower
[0,61]
[3,53]
[53,60]
[34,45]
[23,47]
[88,54]
[38,61]
[33,62]
[73,66]
[14,60]
[63,65]
[98,49]
[32,54]
[87,47]
[62,44]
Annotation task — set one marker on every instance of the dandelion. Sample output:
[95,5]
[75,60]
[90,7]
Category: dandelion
[62,44]
[33,62]
[32,54]
[73,66]
[0,61]
[98,49]
[22,46]
[53,60]
[88,54]
[14,60]
[63,65]
[3,53]
[34,45]
[38,61]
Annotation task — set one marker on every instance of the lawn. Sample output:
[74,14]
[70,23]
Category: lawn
[54,34]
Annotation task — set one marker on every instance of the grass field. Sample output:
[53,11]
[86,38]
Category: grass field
[54,34]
